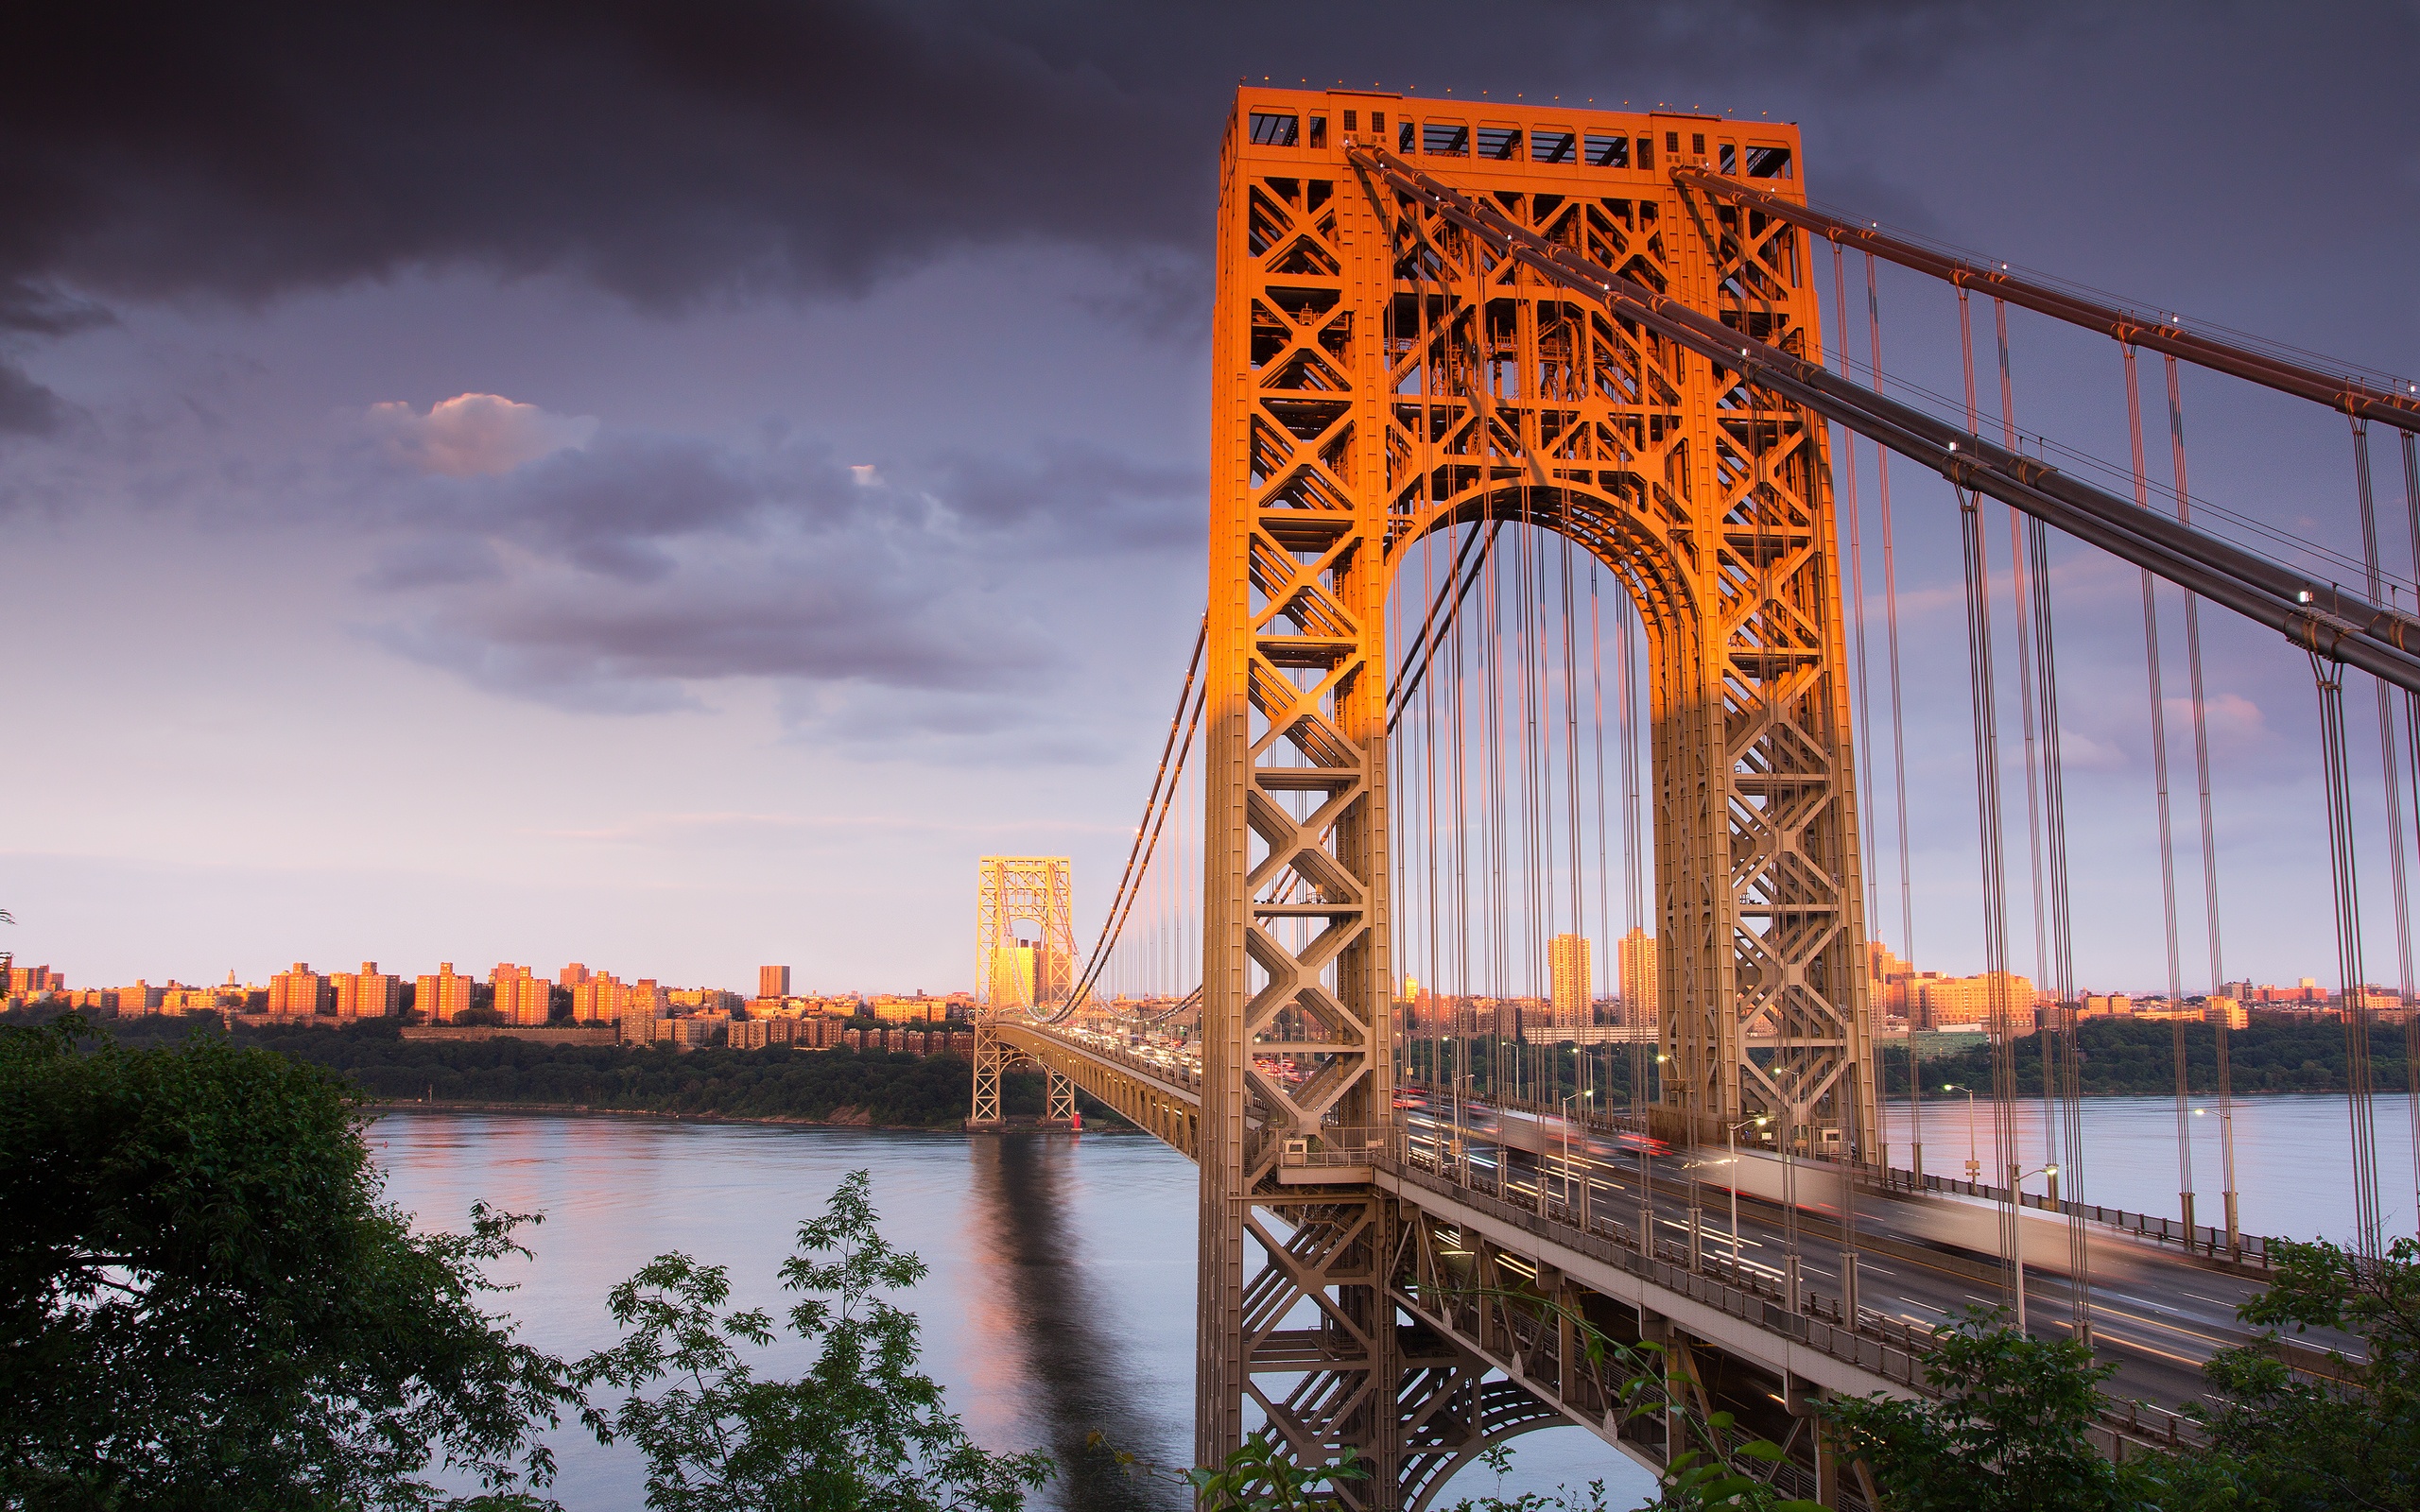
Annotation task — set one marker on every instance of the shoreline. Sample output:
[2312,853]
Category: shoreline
[388,1104]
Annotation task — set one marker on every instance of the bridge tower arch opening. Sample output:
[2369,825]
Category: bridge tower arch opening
[1378,375]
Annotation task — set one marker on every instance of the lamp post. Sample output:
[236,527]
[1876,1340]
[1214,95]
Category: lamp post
[1974,1164]
[1731,1137]
[2016,1201]
[1566,1161]
[1646,1172]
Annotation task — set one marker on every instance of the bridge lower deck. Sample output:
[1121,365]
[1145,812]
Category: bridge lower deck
[1497,1244]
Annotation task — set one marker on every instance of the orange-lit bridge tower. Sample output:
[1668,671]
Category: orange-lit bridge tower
[1380,373]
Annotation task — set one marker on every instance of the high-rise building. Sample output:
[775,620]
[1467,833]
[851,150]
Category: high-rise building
[772,981]
[34,980]
[641,1005]
[520,997]
[571,975]
[296,990]
[1568,965]
[597,998]
[1976,999]
[1641,986]
[1025,931]
[444,996]
[138,999]
[368,993]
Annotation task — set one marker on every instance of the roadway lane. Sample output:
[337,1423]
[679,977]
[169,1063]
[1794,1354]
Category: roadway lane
[2154,1315]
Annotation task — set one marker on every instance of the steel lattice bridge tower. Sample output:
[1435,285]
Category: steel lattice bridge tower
[1381,374]
[1438,317]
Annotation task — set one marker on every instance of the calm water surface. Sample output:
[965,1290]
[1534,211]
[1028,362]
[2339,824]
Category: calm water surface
[1060,1294]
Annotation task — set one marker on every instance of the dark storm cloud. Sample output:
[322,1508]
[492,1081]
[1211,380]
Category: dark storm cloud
[672,150]
[606,577]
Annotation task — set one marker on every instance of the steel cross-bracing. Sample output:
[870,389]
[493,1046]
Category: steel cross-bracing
[1381,372]
[1020,971]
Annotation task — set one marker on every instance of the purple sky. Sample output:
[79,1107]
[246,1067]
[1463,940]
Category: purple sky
[669,487]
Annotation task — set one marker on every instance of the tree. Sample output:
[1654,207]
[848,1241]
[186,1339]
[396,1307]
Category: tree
[204,1300]
[2005,1433]
[2345,1433]
[862,1429]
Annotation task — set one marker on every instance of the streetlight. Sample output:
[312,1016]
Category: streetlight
[1647,1169]
[1974,1164]
[2017,1202]
[1731,1137]
[1566,1161]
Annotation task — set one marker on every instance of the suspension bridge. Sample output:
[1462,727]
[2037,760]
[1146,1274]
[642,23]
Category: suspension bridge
[1525,441]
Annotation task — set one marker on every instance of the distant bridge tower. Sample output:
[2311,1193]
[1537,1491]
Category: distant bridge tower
[1024,958]
[1378,374]
[1025,932]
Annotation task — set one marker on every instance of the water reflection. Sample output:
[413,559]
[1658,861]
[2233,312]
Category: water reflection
[1040,1292]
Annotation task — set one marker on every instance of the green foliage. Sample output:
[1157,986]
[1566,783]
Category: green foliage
[2345,1436]
[779,1082]
[862,1429]
[2005,1433]
[1259,1477]
[204,1300]
[2272,1055]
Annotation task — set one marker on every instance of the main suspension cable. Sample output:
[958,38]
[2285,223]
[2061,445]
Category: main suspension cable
[1146,835]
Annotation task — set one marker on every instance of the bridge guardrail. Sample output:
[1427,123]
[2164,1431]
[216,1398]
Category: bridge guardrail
[2202,1240]
[1899,1359]
[1894,1349]
[2248,1249]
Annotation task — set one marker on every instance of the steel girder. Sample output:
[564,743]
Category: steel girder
[1380,373]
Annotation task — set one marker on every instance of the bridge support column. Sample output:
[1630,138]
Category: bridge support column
[1060,1105]
[991,1058]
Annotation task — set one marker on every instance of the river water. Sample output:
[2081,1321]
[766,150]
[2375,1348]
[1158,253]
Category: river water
[1061,1295]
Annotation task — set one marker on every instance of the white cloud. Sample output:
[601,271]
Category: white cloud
[471,435]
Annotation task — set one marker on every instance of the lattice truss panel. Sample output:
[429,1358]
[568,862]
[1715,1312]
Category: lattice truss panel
[1335,1362]
[1013,892]
[1512,399]
[1535,1324]
[1295,1325]
[1312,1026]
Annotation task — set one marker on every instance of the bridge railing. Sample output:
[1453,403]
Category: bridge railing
[1890,1348]
[2201,1239]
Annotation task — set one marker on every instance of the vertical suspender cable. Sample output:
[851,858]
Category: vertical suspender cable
[2386,749]
[2062,982]
[2345,879]
[2209,827]
[1635,909]
[1982,690]
[2167,832]
[2017,595]
[1987,820]
[1852,516]
[1898,737]
[2412,745]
